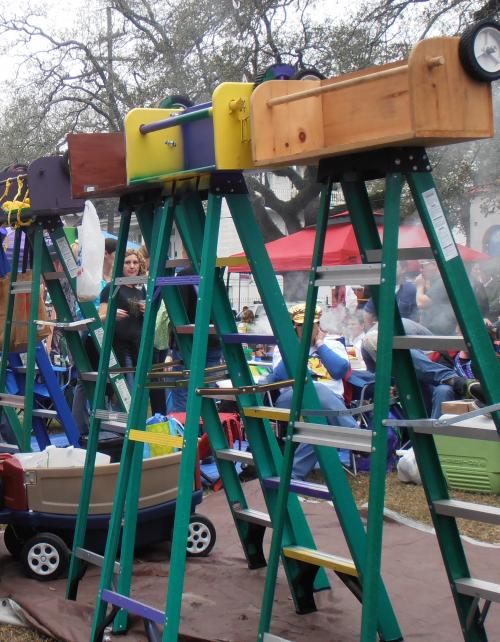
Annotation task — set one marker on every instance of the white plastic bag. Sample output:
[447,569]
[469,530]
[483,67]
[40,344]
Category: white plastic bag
[89,275]
[407,467]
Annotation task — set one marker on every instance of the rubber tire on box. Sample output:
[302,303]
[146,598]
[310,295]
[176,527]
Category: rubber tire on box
[176,102]
[201,537]
[468,56]
[14,539]
[309,73]
[45,545]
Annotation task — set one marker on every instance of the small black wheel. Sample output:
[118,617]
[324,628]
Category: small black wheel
[201,536]
[479,50]
[45,557]
[14,538]
[275,72]
[309,73]
[175,102]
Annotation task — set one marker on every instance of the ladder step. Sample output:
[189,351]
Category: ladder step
[156,438]
[94,558]
[133,606]
[112,415]
[429,342]
[113,426]
[318,558]
[243,337]
[336,436]
[12,401]
[472,428]
[362,274]
[233,454]
[67,325]
[253,516]
[310,489]
[18,401]
[189,329]
[467,510]
[54,276]
[267,412]
[245,390]
[404,254]
[131,280]
[189,279]
[268,637]
[478,588]
[21,287]
[45,413]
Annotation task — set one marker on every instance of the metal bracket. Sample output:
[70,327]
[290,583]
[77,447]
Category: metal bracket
[376,164]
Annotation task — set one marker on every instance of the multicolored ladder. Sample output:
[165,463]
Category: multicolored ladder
[199,231]
[394,359]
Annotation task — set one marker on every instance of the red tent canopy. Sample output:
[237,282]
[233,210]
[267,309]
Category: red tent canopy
[294,252]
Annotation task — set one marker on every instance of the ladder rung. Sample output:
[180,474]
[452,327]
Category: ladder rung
[156,438]
[44,413]
[54,276]
[133,606]
[310,489]
[21,287]
[253,516]
[362,274]
[89,376]
[469,429]
[94,558]
[243,337]
[111,415]
[478,588]
[268,637]
[404,254]
[467,510]
[267,412]
[233,454]
[429,342]
[113,426]
[189,329]
[188,279]
[245,390]
[318,558]
[131,280]
[336,436]
[229,261]
[12,401]
[66,325]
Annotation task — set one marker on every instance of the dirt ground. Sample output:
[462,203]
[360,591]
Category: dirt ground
[406,499]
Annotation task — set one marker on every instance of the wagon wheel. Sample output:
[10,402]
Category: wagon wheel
[14,538]
[479,50]
[201,536]
[45,557]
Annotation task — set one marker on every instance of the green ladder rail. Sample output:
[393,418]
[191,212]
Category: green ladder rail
[44,268]
[334,436]
[394,357]
[250,525]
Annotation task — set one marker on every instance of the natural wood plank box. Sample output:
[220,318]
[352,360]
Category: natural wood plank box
[426,101]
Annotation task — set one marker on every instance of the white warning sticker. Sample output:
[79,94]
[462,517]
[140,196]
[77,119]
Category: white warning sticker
[441,227]
[124,393]
[67,255]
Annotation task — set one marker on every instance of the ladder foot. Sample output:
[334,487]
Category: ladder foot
[73,586]
[153,633]
[99,633]
[255,551]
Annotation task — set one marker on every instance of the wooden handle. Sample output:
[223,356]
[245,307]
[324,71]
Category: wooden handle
[350,82]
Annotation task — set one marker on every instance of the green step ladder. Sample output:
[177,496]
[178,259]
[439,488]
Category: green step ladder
[199,231]
[393,358]
[38,231]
